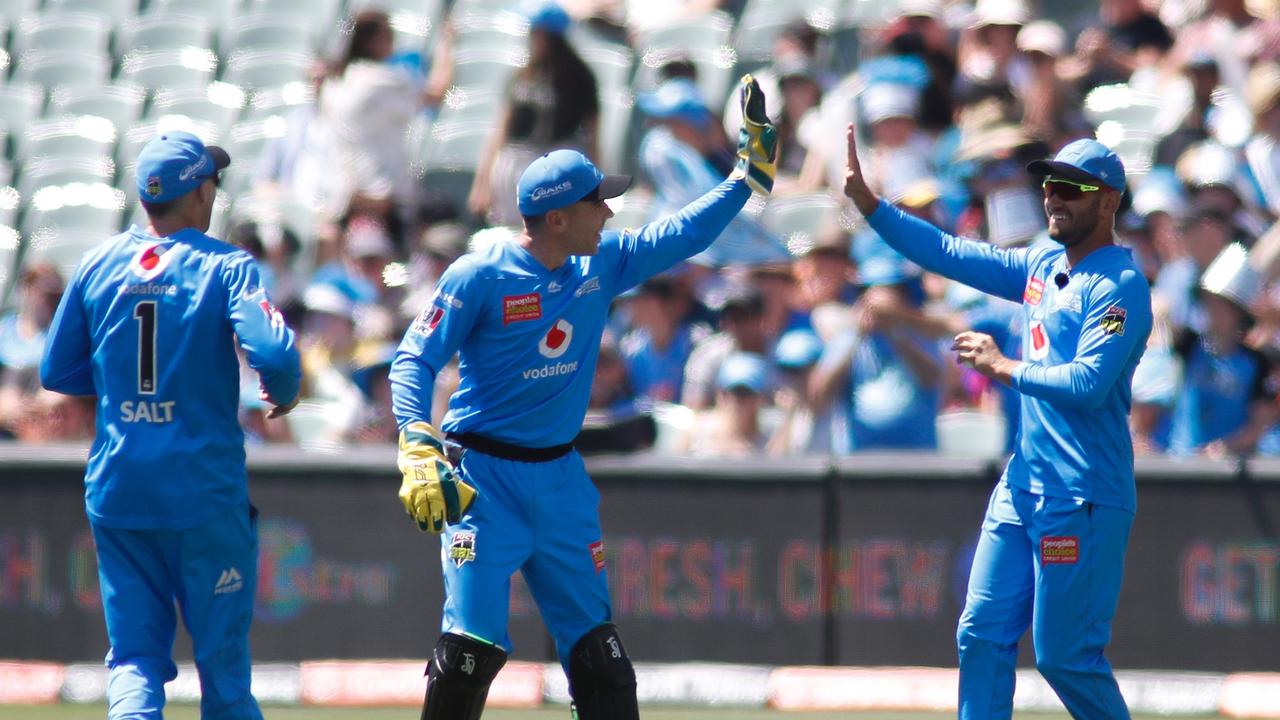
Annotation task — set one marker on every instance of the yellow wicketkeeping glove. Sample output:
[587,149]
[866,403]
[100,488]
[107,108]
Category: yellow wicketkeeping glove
[757,140]
[431,491]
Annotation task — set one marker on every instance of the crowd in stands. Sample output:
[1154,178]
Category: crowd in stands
[800,331]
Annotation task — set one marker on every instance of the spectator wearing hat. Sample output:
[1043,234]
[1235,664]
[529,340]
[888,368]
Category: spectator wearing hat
[1201,71]
[439,245]
[375,422]
[733,427]
[552,102]
[673,157]
[1205,233]
[989,46]
[898,152]
[1048,102]
[1222,33]
[1262,152]
[1224,406]
[1160,203]
[824,271]
[803,429]
[276,248]
[919,31]
[365,105]
[659,343]
[741,330]
[328,344]
[1128,38]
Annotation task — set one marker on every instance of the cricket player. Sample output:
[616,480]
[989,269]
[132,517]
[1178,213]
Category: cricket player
[1051,550]
[149,325]
[527,317]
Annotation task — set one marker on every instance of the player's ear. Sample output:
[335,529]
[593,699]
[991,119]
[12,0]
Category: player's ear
[557,220]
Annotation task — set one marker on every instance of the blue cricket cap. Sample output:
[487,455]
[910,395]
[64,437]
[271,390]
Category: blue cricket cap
[677,99]
[798,348]
[561,178]
[175,163]
[547,15]
[744,370]
[1085,161]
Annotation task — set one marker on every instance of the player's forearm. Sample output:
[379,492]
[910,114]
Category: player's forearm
[704,219]
[412,383]
[978,265]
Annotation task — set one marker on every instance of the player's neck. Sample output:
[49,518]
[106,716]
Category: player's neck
[548,254]
[1101,237]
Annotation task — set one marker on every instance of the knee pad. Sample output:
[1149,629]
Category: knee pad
[458,677]
[602,681]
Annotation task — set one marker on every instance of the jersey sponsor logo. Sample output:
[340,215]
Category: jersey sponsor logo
[554,287]
[147,411]
[149,289]
[556,342]
[427,320]
[588,287]
[1059,550]
[228,582]
[1034,291]
[448,299]
[462,548]
[551,370]
[151,260]
[546,192]
[519,308]
[1039,340]
[1112,321]
[597,554]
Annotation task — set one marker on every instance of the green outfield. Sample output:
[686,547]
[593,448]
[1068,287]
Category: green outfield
[188,712]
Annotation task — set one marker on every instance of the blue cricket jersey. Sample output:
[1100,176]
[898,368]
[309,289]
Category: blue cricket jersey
[1081,344]
[150,325]
[528,337]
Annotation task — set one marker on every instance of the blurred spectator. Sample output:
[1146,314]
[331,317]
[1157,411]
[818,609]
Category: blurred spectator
[1224,406]
[823,270]
[1262,152]
[673,157]
[898,153]
[438,246]
[287,165]
[1205,232]
[616,420]
[27,411]
[1047,99]
[1202,72]
[919,31]
[1130,37]
[366,105]
[552,102]
[1157,382]
[659,343]
[328,345]
[1226,30]
[375,422]
[741,331]
[804,429]
[801,93]
[276,248]
[989,50]
[1215,176]
[733,427]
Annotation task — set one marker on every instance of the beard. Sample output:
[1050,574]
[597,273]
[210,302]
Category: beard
[1080,226]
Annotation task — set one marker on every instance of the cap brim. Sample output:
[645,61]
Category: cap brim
[612,186]
[1063,170]
[220,157]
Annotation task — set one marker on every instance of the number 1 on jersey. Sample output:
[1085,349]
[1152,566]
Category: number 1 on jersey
[145,313]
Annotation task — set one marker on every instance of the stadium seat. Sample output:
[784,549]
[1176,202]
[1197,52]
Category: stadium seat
[216,12]
[265,33]
[75,207]
[611,66]
[218,104]
[278,102]
[53,68]
[17,8]
[120,103]
[10,203]
[44,171]
[487,67]
[244,144]
[72,136]
[50,31]
[10,246]
[164,32]
[704,41]
[117,11]
[20,103]
[64,247]
[156,69]
[266,70]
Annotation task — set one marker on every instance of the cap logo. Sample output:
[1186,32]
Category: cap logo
[153,186]
[190,170]
[541,193]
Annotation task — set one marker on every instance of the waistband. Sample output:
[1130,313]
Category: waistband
[507,451]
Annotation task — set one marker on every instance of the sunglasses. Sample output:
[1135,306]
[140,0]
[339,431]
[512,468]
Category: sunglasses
[1066,189]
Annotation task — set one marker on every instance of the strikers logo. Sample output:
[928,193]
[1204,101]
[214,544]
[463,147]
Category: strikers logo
[1034,291]
[427,320]
[1112,321]
[153,186]
[150,261]
[556,342]
[462,549]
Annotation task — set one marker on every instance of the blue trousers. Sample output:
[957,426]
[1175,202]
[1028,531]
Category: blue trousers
[540,519]
[211,571]
[1055,564]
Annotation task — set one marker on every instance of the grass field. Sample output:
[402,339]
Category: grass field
[188,712]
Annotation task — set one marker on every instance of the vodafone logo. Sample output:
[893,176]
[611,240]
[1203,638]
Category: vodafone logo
[556,342]
[150,261]
[1039,341]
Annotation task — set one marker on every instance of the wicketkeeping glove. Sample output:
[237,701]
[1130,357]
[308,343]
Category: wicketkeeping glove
[757,140]
[431,491]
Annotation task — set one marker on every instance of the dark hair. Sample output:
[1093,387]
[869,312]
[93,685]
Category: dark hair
[534,222]
[804,35]
[365,28]
[571,79]
[678,67]
[162,209]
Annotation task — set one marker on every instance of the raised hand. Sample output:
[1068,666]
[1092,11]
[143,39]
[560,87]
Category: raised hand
[855,184]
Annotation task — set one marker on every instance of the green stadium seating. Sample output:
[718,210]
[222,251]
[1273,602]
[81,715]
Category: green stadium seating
[53,68]
[173,69]
[120,103]
[164,32]
[117,11]
[216,12]
[68,136]
[265,33]
[267,70]
[218,104]
[53,31]
[43,171]
[20,104]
